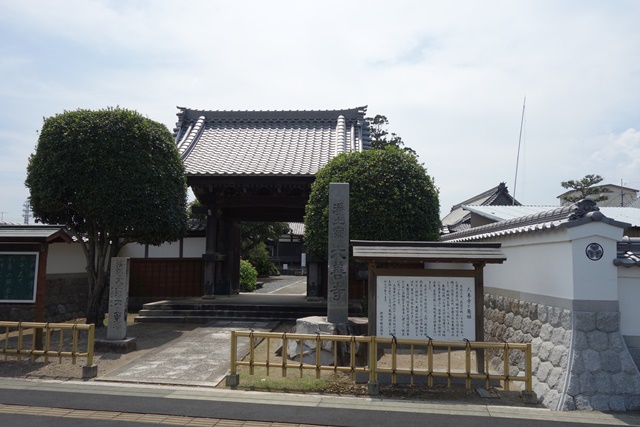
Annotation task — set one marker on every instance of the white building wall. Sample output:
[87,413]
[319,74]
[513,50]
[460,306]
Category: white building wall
[536,264]
[66,258]
[166,250]
[629,297]
[595,280]
[132,250]
[194,247]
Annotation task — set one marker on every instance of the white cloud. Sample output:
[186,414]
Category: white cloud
[450,76]
[619,158]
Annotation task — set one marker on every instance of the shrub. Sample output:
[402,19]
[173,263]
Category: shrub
[248,276]
[258,256]
[391,198]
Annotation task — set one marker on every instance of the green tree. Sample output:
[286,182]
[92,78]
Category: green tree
[254,233]
[585,187]
[253,248]
[391,198]
[248,276]
[380,137]
[112,177]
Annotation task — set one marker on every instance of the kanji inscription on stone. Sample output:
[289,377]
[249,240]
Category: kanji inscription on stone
[118,298]
[338,253]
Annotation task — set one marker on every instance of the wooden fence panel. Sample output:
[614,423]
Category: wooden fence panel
[166,277]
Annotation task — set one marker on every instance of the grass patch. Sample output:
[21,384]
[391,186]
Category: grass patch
[273,381]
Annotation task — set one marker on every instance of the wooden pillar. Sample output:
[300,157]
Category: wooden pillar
[234,254]
[479,291]
[209,256]
[41,291]
[372,291]
[314,279]
[228,245]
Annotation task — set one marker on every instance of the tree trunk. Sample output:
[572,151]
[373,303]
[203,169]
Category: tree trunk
[98,254]
[96,308]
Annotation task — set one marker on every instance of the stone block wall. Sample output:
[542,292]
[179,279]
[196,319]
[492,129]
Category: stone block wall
[580,360]
[66,299]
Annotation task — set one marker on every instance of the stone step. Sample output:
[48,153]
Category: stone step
[229,313]
[204,311]
[252,307]
[203,319]
[203,316]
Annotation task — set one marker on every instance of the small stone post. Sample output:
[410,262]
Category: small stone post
[117,340]
[338,254]
[118,299]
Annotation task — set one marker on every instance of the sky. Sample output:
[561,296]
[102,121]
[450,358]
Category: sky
[450,76]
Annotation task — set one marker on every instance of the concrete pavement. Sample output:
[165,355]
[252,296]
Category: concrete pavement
[174,384]
[208,406]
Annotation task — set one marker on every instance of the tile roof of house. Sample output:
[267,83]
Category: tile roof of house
[565,216]
[458,218]
[34,233]
[411,252]
[296,228]
[215,143]
[501,213]
[628,252]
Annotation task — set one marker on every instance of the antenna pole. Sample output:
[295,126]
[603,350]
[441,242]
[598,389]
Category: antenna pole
[515,181]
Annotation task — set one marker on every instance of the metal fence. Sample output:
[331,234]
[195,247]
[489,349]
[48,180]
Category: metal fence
[414,349]
[31,339]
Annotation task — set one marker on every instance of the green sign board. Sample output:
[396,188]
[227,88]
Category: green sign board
[18,276]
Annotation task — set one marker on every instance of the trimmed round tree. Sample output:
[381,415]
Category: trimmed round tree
[391,198]
[112,177]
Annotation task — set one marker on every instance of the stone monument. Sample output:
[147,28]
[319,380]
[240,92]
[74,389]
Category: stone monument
[338,254]
[118,307]
[337,321]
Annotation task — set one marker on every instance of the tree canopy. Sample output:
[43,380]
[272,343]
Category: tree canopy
[391,198]
[585,187]
[380,136]
[113,177]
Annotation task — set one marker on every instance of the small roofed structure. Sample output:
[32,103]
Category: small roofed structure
[23,264]
[432,261]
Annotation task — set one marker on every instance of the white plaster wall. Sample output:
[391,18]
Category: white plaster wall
[535,264]
[629,297]
[166,250]
[594,280]
[132,250]
[66,258]
[194,247]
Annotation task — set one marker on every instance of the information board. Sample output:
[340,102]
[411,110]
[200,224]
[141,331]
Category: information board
[18,276]
[442,308]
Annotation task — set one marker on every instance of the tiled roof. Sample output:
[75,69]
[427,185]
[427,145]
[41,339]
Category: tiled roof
[628,253]
[565,216]
[500,213]
[34,233]
[267,142]
[296,228]
[458,219]
[196,226]
[374,251]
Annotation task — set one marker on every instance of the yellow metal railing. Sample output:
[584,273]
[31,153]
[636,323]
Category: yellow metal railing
[47,339]
[374,367]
